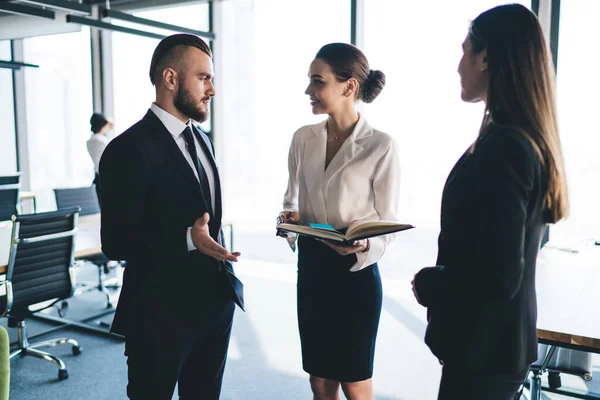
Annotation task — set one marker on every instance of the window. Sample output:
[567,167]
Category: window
[58,98]
[420,106]
[577,103]
[267,46]
[8,148]
[133,92]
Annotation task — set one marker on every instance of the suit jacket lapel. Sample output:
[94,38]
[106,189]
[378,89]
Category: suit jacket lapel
[313,163]
[165,137]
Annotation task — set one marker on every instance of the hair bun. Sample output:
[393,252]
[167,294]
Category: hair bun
[373,86]
[97,122]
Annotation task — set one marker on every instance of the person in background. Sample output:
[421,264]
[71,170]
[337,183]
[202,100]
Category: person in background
[341,171]
[96,144]
[480,296]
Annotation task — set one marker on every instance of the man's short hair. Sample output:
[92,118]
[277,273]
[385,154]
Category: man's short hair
[165,51]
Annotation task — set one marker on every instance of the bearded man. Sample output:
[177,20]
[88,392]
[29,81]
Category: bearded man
[162,214]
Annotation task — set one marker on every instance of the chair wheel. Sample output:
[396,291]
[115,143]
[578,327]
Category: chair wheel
[76,350]
[62,374]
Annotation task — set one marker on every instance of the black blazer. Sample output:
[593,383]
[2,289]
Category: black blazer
[481,296]
[150,198]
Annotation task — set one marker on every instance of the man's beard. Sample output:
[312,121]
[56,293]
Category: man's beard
[185,103]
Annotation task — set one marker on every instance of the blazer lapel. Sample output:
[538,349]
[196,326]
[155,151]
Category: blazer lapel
[350,149]
[313,164]
[169,144]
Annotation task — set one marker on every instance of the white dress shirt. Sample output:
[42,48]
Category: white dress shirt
[176,127]
[95,146]
[360,183]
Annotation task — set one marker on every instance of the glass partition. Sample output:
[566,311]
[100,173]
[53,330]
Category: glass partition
[268,46]
[578,83]
[133,92]
[419,49]
[58,98]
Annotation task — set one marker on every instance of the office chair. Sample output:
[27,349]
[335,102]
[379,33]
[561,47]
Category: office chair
[556,360]
[13,179]
[87,199]
[9,196]
[84,197]
[39,270]
[4,364]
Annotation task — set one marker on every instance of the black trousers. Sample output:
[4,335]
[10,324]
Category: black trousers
[98,186]
[159,355]
[460,383]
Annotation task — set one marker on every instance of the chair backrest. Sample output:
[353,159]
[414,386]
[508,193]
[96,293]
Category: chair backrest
[14,179]
[9,195]
[41,256]
[84,197]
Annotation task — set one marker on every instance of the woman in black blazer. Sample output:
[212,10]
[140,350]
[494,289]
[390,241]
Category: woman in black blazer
[480,296]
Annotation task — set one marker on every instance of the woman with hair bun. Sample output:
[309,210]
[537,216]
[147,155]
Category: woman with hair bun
[341,172]
[100,126]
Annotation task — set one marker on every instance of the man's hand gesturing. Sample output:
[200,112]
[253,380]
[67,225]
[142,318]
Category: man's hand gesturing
[206,244]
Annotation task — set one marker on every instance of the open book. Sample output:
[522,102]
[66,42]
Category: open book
[358,231]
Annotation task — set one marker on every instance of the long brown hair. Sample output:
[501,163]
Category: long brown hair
[521,91]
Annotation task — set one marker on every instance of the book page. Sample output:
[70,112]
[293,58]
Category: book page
[363,229]
[308,231]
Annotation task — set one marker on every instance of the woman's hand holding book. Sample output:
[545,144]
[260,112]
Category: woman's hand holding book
[287,217]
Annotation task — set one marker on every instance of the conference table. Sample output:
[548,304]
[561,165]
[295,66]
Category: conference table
[87,240]
[568,293]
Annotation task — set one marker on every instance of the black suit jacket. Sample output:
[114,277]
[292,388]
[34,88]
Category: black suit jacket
[481,296]
[150,199]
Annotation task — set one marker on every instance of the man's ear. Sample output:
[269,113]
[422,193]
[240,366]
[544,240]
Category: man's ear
[170,78]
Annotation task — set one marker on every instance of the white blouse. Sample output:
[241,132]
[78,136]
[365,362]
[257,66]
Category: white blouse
[95,146]
[360,183]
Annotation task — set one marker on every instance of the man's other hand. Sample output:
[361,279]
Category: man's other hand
[206,244]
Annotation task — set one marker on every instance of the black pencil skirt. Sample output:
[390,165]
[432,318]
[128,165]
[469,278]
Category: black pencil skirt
[338,313]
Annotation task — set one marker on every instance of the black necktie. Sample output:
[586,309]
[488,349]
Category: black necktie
[191,145]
